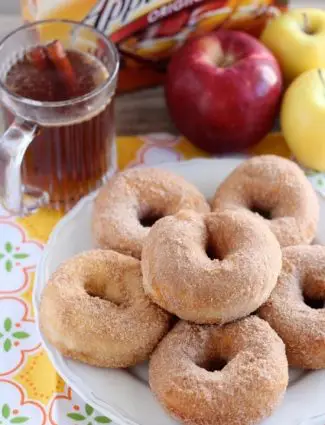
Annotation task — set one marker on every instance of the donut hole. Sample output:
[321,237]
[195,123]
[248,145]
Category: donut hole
[213,365]
[313,303]
[263,212]
[149,219]
[99,288]
[211,250]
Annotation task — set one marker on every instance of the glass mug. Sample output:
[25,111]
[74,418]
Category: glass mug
[56,151]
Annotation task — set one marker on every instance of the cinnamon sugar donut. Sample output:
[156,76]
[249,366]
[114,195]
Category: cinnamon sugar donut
[187,377]
[277,189]
[94,310]
[211,268]
[295,307]
[132,201]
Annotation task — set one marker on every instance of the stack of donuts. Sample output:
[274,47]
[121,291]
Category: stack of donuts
[219,297]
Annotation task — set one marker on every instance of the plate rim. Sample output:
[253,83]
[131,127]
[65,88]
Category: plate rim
[57,360]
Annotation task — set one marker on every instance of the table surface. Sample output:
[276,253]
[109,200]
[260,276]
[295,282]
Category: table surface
[134,116]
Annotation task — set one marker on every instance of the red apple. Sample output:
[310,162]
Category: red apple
[223,91]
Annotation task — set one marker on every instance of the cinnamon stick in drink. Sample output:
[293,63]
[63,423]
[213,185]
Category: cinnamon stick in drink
[38,57]
[57,55]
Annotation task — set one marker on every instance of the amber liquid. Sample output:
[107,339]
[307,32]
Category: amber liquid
[67,161]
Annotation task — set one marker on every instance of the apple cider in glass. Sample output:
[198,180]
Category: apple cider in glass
[63,156]
[59,102]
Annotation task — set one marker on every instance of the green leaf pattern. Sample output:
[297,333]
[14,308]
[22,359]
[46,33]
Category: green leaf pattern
[20,256]
[88,417]
[76,416]
[89,410]
[8,247]
[20,335]
[6,413]
[102,420]
[7,345]
[7,336]
[19,420]
[7,324]
[8,266]
[9,257]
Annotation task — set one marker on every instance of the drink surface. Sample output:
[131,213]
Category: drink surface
[47,85]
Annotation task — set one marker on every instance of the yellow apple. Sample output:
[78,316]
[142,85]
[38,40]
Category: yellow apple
[303,118]
[297,40]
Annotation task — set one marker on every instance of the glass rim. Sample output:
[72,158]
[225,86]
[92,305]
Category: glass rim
[46,104]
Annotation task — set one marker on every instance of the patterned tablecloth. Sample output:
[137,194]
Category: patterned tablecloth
[31,392]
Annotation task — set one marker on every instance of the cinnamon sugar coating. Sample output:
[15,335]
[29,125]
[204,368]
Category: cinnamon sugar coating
[244,392]
[94,310]
[180,277]
[129,197]
[278,187]
[301,327]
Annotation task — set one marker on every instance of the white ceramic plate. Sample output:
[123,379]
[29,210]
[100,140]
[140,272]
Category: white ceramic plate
[124,395]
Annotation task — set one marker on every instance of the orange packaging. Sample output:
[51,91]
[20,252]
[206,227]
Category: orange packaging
[148,32]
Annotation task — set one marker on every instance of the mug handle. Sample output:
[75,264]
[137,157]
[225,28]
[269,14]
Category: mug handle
[13,145]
